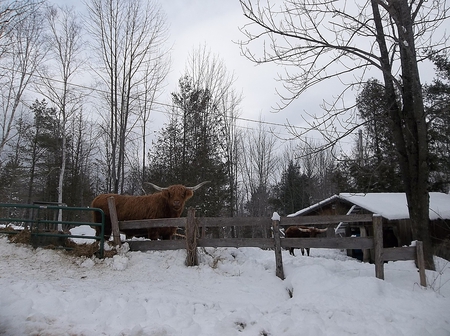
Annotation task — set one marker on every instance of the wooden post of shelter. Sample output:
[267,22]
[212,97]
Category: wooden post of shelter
[378,245]
[421,263]
[277,245]
[366,252]
[191,238]
[114,221]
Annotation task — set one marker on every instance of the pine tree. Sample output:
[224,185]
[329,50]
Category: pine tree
[375,166]
[293,190]
[188,149]
[437,99]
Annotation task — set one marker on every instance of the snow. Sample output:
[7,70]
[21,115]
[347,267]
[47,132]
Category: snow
[276,216]
[314,206]
[82,230]
[391,206]
[232,292]
[394,205]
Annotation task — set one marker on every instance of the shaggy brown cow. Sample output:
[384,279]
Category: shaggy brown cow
[166,203]
[302,232]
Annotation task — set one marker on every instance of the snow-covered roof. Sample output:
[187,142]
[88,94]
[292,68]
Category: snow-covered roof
[314,206]
[389,205]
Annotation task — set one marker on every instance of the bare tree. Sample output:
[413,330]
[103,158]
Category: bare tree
[12,14]
[336,39]
[65,47]
[259,166]
[128,36]
[154,76]
[24,52]
[317,165]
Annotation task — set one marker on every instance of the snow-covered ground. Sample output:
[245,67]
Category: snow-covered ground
[232,292]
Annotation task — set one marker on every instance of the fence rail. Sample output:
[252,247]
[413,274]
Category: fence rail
[193,240]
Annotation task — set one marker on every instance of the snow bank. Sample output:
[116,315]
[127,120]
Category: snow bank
[232,292]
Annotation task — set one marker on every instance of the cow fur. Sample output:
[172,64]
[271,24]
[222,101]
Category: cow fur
[302,232]
[166,203]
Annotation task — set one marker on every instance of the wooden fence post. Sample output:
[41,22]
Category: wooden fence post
[277,241]
[378,246]
[421,263]
[114,221]
[191,238]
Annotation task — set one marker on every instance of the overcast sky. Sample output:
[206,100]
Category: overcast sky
[216,23]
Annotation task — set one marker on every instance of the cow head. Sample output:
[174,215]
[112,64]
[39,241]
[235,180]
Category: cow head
[178,194]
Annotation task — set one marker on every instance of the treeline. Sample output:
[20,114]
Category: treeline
[66,143]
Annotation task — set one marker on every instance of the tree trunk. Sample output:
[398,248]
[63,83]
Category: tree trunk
[408,122]
[62,172]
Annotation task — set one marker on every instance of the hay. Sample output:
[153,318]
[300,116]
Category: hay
[81,250]
[23,237]
[88,250]
[78,250]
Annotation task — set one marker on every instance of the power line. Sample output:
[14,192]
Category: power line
[171,106]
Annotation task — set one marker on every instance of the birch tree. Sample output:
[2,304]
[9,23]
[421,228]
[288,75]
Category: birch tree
[65,47]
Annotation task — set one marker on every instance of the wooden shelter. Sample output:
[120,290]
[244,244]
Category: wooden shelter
[394,211]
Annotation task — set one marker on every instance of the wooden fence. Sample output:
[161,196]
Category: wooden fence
[196,226]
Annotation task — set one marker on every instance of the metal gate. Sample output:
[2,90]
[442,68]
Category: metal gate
[41,217]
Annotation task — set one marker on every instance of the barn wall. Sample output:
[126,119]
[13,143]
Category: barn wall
[440,237]
[332,209]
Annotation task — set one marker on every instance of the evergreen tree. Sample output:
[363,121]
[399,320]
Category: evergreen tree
[188,149]
[43,153]
[13,175]
[293,190]
[437,99]
[374,166]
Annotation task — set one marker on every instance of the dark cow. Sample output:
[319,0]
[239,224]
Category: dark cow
[166,203]
[302,232]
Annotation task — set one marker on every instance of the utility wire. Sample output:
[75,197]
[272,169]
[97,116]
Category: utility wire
[168,105]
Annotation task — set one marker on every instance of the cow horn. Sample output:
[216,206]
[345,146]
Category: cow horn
[304,230]
[197,186]
[156,187]
[322,230]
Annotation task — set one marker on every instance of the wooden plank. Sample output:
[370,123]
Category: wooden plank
[236,242]
[332,243]
[378,246]
[399,253]
[114,221]
[324,220]
[149,245]
[242,221]
[202,222]
[234,221]
[150,223]
[421,263]
[337,243]
[277,244]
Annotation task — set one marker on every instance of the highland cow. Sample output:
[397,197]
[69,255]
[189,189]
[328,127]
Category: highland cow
[302,232]
[166,203]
